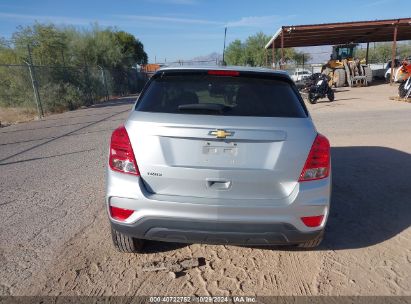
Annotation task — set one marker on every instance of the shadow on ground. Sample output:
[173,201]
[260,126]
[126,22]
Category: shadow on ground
[370,200]
[157,246]
[371,196]
[52,139]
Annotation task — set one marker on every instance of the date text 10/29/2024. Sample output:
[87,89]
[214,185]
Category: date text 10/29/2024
[204,299]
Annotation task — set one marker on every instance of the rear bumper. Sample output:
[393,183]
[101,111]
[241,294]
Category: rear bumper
[218,221]
[210,232]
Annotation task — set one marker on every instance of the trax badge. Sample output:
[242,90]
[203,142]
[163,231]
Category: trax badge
[220,133]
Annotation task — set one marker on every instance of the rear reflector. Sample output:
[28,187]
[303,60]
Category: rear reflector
[312,221]
[120,214]
[121,153]
[317,165]
[224,73]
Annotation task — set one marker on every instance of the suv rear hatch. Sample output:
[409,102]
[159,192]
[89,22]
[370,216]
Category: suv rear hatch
[216,134]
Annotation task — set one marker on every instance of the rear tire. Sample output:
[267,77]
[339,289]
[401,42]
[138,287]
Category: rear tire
[368,74]
[125,243]
[312,243]
[339,78]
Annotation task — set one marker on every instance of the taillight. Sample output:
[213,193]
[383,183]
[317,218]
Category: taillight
[120,214]
[223,73]
[313,221]
[317,165]
[121,153]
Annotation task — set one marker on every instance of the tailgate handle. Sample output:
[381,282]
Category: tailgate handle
[218,184]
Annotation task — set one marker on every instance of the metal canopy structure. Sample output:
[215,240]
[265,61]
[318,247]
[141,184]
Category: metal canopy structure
[340,33]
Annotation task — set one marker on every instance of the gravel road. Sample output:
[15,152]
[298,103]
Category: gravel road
[55,238]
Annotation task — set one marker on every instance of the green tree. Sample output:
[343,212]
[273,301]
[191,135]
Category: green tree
[382,52]
[131,48]
[46,41]
[404,50]
[7,54]
[300,57]
[254,49]
[234,53]
[94,47]
[376,53]
[252,52]
[291,55]
[74,54]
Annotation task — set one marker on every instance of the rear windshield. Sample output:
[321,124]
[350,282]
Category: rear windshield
[219,95]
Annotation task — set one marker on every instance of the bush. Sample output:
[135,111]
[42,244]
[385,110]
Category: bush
[57,98]
[65,88]
[67,64]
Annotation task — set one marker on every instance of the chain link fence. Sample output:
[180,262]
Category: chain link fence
[57,88]
[51,89]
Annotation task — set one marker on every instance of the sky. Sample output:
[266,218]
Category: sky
[183,29]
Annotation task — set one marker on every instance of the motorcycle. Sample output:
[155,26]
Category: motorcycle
[317,86]
[404,76]
[404,91]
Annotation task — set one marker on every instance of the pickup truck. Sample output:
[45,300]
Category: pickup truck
[300,75]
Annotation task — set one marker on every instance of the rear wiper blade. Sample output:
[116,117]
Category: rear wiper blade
[204,107]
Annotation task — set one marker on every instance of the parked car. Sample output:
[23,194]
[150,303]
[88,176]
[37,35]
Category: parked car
[219,156]
[300,75]
[397,64]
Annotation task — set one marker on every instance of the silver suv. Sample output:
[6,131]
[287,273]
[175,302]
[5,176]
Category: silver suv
[220,156]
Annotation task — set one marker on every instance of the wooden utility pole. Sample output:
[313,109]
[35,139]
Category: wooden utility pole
[273,54]
[394,53]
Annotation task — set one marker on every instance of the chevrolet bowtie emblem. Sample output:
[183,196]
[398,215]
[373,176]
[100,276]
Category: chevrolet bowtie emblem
[221,133]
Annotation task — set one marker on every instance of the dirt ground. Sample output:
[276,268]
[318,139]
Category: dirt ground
[55,238]
[10,116]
